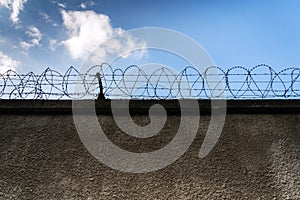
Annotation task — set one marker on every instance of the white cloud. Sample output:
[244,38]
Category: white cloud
[83,5]
[52,44]
[48,19]
[25,45]
[88,29]
[62,5]
[86,4]
[7,63]
[35,37]
[5,3]
[15,6]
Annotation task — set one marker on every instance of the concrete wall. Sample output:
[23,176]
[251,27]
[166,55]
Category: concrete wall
[256,157]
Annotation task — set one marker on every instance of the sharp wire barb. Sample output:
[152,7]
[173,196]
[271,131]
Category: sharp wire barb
[102,81]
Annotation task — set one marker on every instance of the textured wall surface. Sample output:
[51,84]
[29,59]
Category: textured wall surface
[257,156]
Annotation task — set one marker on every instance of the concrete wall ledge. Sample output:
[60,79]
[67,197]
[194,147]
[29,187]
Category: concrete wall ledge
[142,106]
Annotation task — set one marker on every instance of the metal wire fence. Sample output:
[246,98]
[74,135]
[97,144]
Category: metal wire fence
[259,82]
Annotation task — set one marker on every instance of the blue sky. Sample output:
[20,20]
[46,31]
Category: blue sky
[36,34]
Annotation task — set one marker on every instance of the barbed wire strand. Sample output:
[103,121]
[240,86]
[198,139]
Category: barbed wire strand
[259,82]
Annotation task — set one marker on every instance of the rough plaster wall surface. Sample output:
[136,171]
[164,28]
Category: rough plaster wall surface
[257,157]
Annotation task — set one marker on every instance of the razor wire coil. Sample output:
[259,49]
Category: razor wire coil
[259,82]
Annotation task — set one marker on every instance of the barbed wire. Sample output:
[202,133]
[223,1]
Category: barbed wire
[259,82]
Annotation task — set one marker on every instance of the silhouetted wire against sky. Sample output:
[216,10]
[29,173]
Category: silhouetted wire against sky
[133,82]
[58,34]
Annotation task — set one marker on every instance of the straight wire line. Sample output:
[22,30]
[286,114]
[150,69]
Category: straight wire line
[259,82]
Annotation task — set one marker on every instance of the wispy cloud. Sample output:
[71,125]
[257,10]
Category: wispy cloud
[53,44]
[62,5]
[35,37]
[92,3]
[15,6]
[48,19]
[88,29]
[86,4]
[83,5]
[7,63]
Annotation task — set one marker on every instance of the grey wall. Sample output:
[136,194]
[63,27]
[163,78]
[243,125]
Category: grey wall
[257,156]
